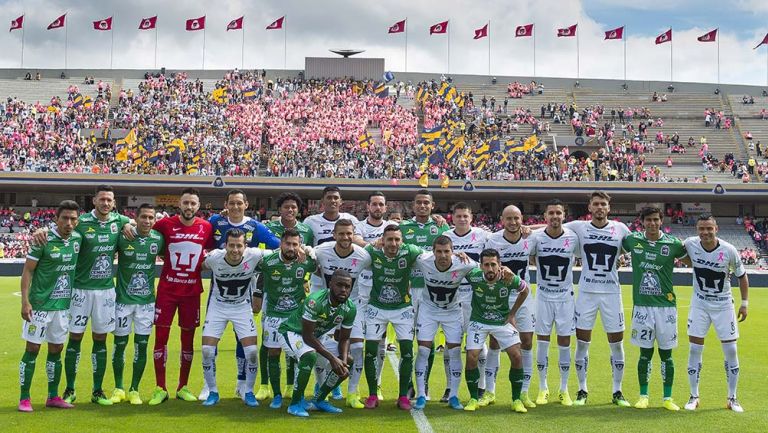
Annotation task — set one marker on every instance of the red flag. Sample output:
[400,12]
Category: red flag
[617,33]
[59,23]
[481,32]
[236,24]
[148,23]
[708,37]
[17,23]
[195,24]
[397,27]
[276,24]
[524,31]
[763,42]
[439,28]
[664,37]
[103,25]
[567,32]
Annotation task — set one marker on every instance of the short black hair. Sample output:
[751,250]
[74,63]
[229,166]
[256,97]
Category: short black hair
[343,222]
[341,273]
[554,202]
[600,194]
[191,191]
[461,205]
[232,192]
[331,188]
[376,194]
[234,233]
[490,252]
[707,217]
[391,228]
[290,233]
[287,196]
[650,210]
[145,206]
[424,191]
[105,188]
[442,240]
[67,205]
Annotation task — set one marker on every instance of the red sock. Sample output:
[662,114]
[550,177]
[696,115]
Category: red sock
[187,351]
[161,353]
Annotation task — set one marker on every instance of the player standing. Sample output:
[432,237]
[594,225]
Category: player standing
[46,291]
[714,260]
[654,308]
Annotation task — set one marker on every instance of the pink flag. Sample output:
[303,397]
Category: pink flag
[397,27]
[567,32]
[708,37]
[524,31]
[481,32]
[439,28]
[195,24]
[148,23]
[17,23]
[59,23]
[664,37]
[235,24]
[617,33]
[103,25]
[276,24]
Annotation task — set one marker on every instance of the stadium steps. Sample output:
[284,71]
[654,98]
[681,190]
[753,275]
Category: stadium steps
[748,119]
[42,91]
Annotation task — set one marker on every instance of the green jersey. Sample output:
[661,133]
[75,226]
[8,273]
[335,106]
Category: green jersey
[136,268]
[94,266]
[51,287]
[317,308]
[391,277]
[284,283]
[304,230]
[421,235]
[652,267]
[491,302]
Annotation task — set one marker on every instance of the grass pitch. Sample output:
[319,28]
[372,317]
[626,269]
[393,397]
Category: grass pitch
[231,415]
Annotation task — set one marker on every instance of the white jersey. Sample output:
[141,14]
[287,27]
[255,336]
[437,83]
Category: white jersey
[554,264]
[471,243]
[230,284]
[370,234]
[328,260]
[443,286]
[514,255]
[600,250]
[712,273]
[322,228]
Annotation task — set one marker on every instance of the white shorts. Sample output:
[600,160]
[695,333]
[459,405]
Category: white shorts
[525,319]
[724,321]
[611,310]
[270,336]
[651,324]
[293,345]
[96,305]
[377,319]
[46,326]
[561,314]
[358,327]
[429,318]
[465,298]
[141,315]
[506,335]
[316,283]
[217,316]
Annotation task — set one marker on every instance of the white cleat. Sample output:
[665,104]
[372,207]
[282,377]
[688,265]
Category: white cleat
[734,405]
[693,403]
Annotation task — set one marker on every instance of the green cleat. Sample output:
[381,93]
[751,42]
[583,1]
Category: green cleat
[669,404]
[581,398]
[134,397]
[519,407]
[619,400]
[526,399]
[69,395]
[487,399]
[379,393]
[264,392]
[353,401]
[472,405]
[118,396]
[543,397]
[185,394]
[642,403]
[159,395]
[565,398]
[100,398]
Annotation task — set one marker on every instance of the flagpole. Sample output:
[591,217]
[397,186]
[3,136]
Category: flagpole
[112,46]
[577,51]
[242,50]
[534,49]
[203,47]
[449,46]
[671,75]
[285,42]
[22,46]
[66,32]
[489,47]
[406,44]
[155,45]
[718,58]
[624,36]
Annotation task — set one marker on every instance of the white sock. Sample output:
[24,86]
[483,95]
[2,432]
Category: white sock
[491,370]
[564,359]
[527,369]
[251,366]
[695,353]
[481,364]
[356,350]
[617,364]
[380,360]
[731,367]
[542,361]
[456,369]
[209,369]
[421,370]
[581,362]
[447,367]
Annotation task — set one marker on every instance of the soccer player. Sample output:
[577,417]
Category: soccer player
[440,307]
[180,286]
[284,278]
[304,335]
[714,260]
[493,313]
[46,291]
[135,303]
[390,302]
[232,270]
[553,249]
[514,251]
[599,290]
[343,254]
[654,310]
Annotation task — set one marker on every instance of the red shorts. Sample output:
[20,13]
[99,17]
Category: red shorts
[166,305]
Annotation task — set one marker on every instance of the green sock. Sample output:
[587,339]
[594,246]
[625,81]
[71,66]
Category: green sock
[264,365]
[306,364]
[71,359]
[406,366]
[118,359]
[140,343]
[99,361]
[516,377]
[26,371]
[53,370]
[472,377]
[371,353]
[667,371]
[273,365]
[644,369]
[290,371]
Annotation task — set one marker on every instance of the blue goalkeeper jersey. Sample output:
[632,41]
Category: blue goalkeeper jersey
[256,233]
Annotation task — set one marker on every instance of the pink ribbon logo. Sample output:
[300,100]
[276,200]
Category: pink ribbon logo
[474,238]
[525,245]
[720,256]
[613,230]
[354,262]
[245,266]
[454,275]
[567,243]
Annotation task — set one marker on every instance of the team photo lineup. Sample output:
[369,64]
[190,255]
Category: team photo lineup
[329,295]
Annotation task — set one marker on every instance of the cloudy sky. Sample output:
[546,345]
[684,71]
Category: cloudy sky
[315,26]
